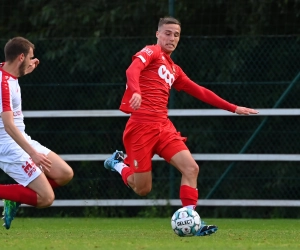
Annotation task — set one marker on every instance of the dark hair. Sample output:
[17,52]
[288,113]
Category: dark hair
[168,20]
[15,47]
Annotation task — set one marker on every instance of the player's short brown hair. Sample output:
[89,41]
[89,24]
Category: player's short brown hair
[168,20]
[15,47]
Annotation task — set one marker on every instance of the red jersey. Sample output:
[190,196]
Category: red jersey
[153,80]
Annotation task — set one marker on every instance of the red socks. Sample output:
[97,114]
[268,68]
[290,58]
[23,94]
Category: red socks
[188,196]
[125,173]
[21,194]
[53,184]
[18,193]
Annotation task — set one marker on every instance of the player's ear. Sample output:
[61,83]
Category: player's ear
[21,57]
[157,34]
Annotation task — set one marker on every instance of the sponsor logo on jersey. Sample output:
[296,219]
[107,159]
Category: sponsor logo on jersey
[166,75]
[17,113]
[148,51]
[29,168]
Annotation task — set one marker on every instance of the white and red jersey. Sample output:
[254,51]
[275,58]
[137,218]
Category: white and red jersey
[10,100]
[156,74]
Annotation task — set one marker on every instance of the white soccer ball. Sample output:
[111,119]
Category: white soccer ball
[185,222]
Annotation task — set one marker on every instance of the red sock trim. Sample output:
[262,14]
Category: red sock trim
[18,193]
[125,173]
[188,196]
[52,183]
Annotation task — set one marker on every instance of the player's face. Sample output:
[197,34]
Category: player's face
[168,37]
[25,63]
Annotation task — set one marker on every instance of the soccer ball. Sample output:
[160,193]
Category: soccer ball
[185,222]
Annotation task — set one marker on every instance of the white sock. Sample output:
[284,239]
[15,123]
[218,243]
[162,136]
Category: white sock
[119,167]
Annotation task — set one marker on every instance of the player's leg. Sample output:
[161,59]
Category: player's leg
[189,169]
[33,189]
[174,151]
[139,182]
[172,148]
[139,140]
[60,173]
[43,190]
[185,163]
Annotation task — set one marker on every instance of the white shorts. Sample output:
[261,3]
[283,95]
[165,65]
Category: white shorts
[15,162]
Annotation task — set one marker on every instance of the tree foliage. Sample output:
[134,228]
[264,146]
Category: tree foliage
[90,20]
[102,18]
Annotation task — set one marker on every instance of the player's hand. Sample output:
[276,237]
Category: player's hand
[245,111]
[41,161]
[135,101]
[33,64]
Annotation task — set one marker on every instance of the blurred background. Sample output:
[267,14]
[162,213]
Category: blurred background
[245,51]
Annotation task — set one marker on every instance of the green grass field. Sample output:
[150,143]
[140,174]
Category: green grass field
[140,234]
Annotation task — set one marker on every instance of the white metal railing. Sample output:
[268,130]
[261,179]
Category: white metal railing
[204,157]
[172,112]
[172,202]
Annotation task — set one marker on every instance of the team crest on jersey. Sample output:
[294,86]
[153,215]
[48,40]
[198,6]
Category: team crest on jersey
[148,51]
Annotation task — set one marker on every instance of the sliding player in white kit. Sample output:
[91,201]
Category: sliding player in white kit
[35,168]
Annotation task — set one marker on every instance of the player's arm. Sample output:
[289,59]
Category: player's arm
[213,99]
[133,75]
[15,133]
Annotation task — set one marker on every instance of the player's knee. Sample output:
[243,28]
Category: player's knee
[69,175]
[46,201]
[66,177]
[143,191]
[192,170]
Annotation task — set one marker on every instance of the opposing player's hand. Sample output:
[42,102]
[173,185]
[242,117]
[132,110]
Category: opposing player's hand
[33,64]
[245,111]
[135,101]
[41,161]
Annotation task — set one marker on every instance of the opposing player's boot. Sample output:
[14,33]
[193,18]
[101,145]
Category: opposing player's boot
[116,157]
[206,229]
[9,212]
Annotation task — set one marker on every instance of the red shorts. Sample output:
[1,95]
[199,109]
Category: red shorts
[144,139]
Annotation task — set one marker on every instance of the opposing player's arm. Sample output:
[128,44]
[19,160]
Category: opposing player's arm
[33,64]
[15,133]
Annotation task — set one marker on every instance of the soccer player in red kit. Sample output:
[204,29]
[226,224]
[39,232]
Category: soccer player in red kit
[36,169]
[149,131]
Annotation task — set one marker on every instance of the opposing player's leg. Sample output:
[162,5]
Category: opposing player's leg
[34,189]
[61,173]
[10,209]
